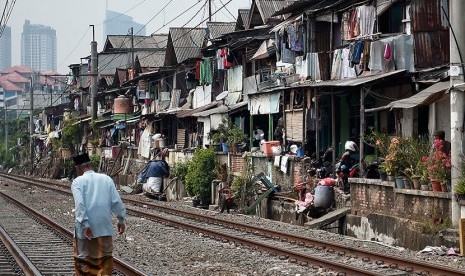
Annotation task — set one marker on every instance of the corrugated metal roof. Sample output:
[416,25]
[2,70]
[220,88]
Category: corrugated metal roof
[116,42]
[108,62]
[217,29]
[152,59]
[187,42]
[353,82]
[220,109]
[424,97]
[189,112]
[356,81]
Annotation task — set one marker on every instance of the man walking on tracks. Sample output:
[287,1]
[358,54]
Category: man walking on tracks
[95,199]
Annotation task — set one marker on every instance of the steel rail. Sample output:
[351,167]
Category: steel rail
[408,265]
[120,265]
[21,259]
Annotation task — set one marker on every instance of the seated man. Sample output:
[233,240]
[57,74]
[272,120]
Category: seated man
[154,172]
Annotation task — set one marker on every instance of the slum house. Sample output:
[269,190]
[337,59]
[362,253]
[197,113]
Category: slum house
[418,114]
[235,54]
[365,64]
[151,98]
[186,90]
[219,59]
[119,97]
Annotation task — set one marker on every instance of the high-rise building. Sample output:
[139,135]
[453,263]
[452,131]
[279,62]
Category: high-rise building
[5,49]
[39,47]
[119,24]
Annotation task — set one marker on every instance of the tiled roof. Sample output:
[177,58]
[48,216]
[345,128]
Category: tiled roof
[187,42]
[242,18]
[157,41]
[9,86]
[151,58]
[15,77]
[217,29]
[18,68]
[266,9]
[49,77]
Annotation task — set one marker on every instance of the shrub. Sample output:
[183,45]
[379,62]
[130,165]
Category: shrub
[179,170]
[201,173]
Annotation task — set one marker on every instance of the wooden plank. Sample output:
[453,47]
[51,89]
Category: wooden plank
[254,205]
[462,237]
[126,167]
[328,218]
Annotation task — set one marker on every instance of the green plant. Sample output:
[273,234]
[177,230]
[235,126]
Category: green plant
[235,135]
[95,161]
[395,159]
[438,164]
[378,140]
[70,134]
[413,152]
[201,173]
[179,170]
[242,187]
[459,188]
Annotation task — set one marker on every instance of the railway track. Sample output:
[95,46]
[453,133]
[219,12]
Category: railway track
[302,250]
[9,264]
[40,246]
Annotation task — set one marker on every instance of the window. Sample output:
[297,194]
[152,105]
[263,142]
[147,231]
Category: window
[391,20]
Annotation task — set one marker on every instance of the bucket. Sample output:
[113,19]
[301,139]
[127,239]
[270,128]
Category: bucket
[323,197]
[400,183]
[268,145]
[224,146]
[161,143]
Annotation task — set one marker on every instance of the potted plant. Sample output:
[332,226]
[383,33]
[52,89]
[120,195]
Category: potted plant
[200,174]
[439,168]
[235,137]
[216,139]
[219,136]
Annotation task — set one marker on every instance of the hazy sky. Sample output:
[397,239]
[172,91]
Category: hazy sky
[71,20]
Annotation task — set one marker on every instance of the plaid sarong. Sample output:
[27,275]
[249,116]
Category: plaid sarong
[93,257]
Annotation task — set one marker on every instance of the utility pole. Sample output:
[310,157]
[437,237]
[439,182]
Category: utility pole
[31,125]
[132,49]
[457,99]
[93,73]
[6,122]
[210,10]
[6,130]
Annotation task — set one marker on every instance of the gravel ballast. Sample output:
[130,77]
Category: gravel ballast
[163,250]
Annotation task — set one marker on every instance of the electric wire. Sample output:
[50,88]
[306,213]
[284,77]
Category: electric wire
[192,18]
[75,47]
[153,17]
[191,29]
[165,24]
[235,19]
[6,16]
[121,14]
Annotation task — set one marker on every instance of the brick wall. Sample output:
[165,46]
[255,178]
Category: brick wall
[373,196]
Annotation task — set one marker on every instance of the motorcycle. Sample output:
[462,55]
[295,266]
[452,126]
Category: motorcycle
[322,166]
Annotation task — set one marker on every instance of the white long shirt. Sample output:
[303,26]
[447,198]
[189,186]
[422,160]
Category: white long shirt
[95,199]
